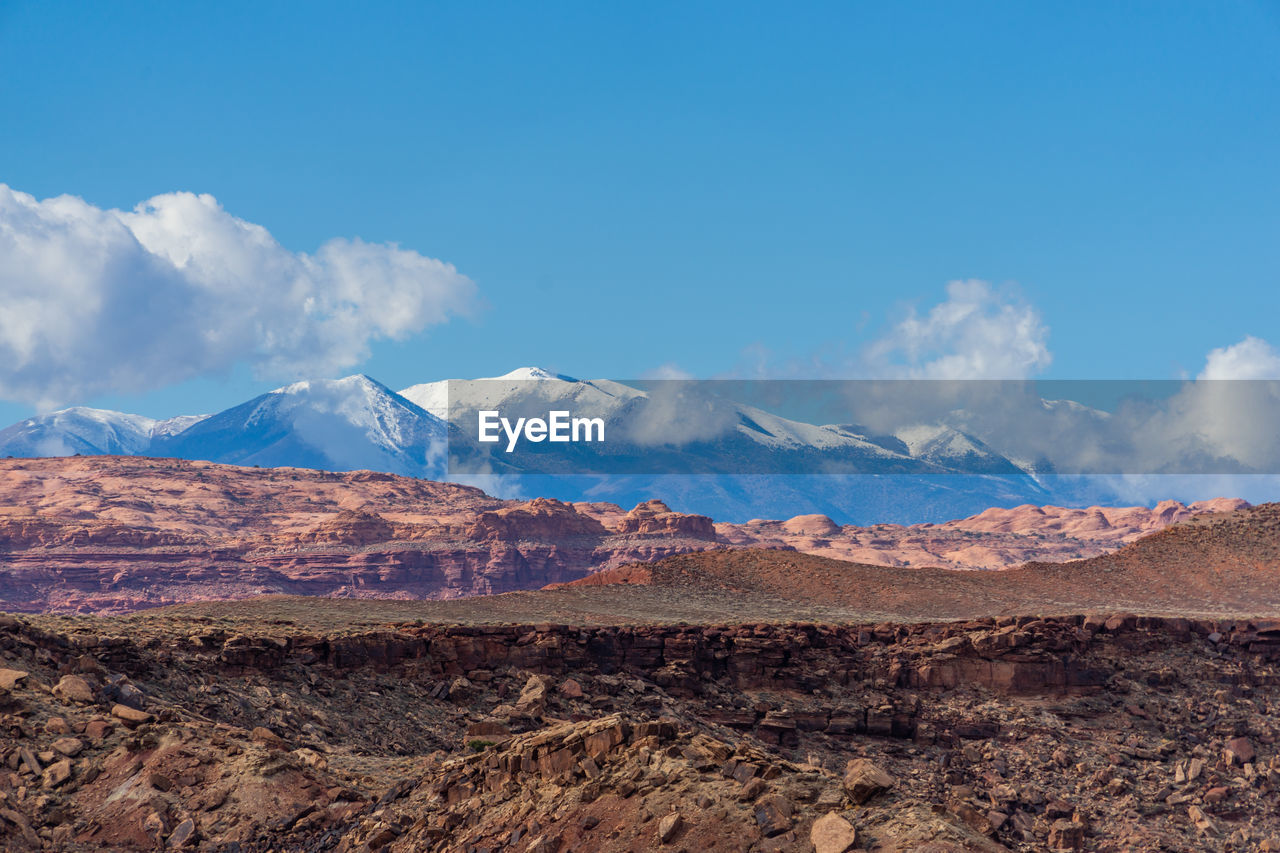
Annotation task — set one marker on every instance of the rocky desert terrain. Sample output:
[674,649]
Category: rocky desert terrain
[633,680]
[678,705]
[116,534]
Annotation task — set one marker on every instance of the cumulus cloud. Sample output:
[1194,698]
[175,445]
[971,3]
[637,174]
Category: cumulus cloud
[977,332]
[125,301]
[1251,358]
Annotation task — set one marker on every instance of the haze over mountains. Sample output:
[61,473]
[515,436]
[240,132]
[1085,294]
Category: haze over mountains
[746,470]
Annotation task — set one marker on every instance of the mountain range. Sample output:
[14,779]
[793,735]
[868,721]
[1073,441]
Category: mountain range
[926,472]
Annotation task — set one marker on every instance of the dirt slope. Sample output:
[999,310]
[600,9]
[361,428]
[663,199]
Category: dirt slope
[1222,563]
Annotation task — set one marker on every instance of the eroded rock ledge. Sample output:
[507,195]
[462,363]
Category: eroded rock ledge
[1101,732]
[1022,656]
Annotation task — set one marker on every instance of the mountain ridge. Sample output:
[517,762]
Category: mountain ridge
[746,456]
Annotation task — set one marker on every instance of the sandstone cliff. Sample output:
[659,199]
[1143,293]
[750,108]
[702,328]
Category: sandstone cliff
[110,534]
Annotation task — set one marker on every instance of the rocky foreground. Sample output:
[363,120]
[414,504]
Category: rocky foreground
[699,695]
[199,732]
[116,534]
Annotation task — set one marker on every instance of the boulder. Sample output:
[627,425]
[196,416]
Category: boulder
[131,717]
[1240,751]
[1066,835]
[773,814]
[669,827]
[863,779]
[533,698]
[9,678]
[28,760]
[57,773]
[183,835]
[97,729]
[1200,819]
[488,730]
[267,738]
[68,746]
[831,833]
[459,690]
[73,688]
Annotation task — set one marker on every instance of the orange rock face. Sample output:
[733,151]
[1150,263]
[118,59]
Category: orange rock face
[112,534]
[994,539]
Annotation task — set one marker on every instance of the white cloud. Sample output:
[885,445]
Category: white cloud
[1251,358]
[976,333]
[124,301]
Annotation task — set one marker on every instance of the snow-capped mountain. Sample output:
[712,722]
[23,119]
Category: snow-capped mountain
[89,432]
[666,426]
[524,383]
[949,447]
[743,456]
[337,425]
[357,422]
[175,425]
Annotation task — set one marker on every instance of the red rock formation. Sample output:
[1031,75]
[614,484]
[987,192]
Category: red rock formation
[538,520]
[103,534]
[654,518]
[994,539]
[811,525]
[350,527]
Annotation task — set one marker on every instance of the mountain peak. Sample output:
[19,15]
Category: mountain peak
[535,373]
[78,429]
[102,416]
[355,380]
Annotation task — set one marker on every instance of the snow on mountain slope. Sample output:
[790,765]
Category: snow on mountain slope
[680,411]
[90,432]
[432,397]
[175,425]
[534,373]
[337,425]
[358,423]
[745,454]
[518,384]
[778,432]
[952,448]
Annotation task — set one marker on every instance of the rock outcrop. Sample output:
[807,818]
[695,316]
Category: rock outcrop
[995,539]
[112,534]
[1097,732]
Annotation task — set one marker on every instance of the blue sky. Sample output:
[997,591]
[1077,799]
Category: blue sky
[710,186]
